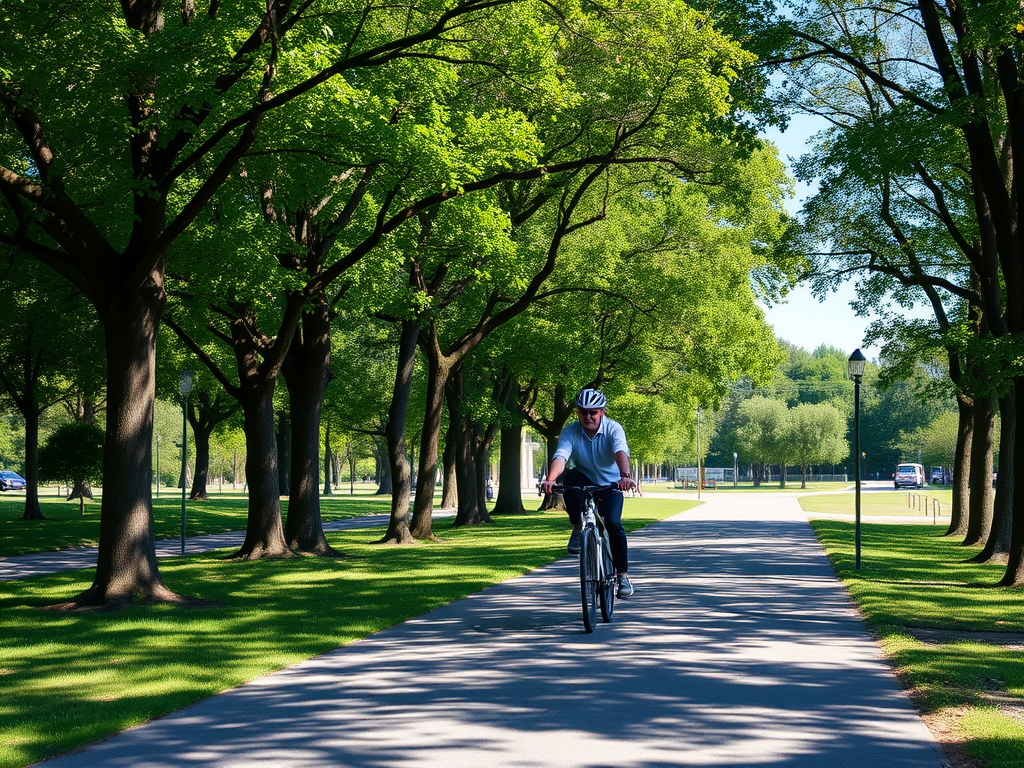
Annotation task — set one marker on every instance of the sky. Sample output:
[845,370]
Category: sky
[802,320]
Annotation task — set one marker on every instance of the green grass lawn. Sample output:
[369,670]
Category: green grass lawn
[912,577]
[881,503]
[65,527]
[747,487]
[72,678]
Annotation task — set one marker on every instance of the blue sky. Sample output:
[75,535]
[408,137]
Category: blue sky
[802,320]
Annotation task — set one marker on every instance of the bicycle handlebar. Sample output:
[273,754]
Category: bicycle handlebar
[585,488]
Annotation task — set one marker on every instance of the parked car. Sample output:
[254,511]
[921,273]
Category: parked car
[11,481]
[908,476]
[938,476]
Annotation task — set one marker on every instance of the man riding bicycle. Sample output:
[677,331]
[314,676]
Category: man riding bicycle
[597,447]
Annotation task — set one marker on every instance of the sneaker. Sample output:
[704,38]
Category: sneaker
[574,542]
[625,586]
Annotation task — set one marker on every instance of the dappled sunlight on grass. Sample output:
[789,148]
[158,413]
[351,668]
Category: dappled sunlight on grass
[64,527]
[116,670]
[914,577]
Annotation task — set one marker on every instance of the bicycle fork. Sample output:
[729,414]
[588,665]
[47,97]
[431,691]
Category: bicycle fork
[590,520]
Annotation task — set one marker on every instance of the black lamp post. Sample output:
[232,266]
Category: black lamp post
[735,469]
[158,466]
[184,387]
[855,366]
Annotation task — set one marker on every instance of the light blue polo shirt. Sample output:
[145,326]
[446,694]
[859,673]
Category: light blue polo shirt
[595,456]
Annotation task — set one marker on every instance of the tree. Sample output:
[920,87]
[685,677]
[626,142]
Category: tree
[42,353]
[816,432]
[761,427]
[73,454]
[957,80]
[103,207]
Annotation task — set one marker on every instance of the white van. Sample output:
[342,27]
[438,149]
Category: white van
[908,476]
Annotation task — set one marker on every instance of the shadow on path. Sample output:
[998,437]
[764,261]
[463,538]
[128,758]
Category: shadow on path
[740,648]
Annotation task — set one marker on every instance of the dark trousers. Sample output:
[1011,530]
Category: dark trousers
[609,505]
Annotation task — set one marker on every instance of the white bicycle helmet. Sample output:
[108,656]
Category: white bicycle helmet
[591,399]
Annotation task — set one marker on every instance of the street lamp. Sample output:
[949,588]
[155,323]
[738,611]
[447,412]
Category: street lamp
[855,367]
[735,469]
[184,387]
[158,466]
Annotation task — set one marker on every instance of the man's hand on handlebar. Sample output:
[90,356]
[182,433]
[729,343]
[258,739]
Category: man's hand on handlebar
[626,484]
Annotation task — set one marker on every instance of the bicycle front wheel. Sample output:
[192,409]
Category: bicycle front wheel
[607,586]
[590,551]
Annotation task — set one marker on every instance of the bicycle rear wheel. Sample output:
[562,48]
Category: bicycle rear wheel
[590,549]
[607,586]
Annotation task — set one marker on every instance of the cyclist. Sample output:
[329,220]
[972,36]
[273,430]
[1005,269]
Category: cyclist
[597,447]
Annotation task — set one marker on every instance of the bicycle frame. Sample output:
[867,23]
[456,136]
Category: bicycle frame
[597,571]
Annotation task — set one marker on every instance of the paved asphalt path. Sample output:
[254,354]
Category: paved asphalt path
[739,648]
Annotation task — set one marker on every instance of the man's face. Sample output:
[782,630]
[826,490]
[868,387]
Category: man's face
[590,418]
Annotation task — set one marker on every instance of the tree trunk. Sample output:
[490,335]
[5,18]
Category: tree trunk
[510,495]
[462,434]
[998,545]
[803,476]
[202,431]
[385,486]
[126,569]
[450,490]
[81,490]
[426,480]
[32,509]
[284,451]
[1014,575]
[328,455]
[307,371]
[264,533]
[394,433]
[979,520]
[961,468]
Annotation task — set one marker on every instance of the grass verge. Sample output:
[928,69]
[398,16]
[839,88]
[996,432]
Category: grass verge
[954,639]
[65,527]
[72,678]
[886,503]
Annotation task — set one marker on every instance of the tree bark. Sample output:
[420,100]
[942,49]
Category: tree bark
[32,508]
[328,456]
[204,415]
[126,567]
[200,477]
[979,520]
[1014,575]
[307,370]
[264,533]
[510,495]
[961,468]
[998,545]
[283,441]
[385,485]
[472,508]
[450,490]
[426,476]
[394,433]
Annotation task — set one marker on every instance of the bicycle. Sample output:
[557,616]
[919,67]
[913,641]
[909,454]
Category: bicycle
[597,570]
